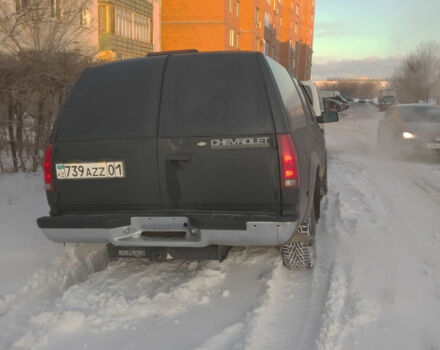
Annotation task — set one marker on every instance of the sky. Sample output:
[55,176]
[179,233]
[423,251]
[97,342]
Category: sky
[370,38]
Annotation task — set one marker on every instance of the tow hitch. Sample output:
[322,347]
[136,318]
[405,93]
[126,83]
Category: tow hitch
[213,252]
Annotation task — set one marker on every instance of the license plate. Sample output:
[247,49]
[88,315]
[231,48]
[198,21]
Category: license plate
[95,170]
[433,145]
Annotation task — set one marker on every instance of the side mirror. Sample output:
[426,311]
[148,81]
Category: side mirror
[328,117]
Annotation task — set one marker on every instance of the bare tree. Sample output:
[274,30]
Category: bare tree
[43,25]
[354,88]
[39,62]
[32,89]
[418,77]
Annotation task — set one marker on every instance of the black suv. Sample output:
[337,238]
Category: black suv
[187,154]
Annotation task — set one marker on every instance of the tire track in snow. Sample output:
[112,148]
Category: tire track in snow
[390,229]
[290,316]
[45,286]
[345,311]
[287,313]
[131,295]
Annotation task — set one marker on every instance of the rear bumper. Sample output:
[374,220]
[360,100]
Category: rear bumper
[163,231]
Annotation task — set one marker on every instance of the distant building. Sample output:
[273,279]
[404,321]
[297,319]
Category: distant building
[125,28]
[382,82]
[120,29]
[106,29]
[283,29]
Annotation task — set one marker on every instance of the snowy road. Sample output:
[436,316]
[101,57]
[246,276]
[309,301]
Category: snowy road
[376,284]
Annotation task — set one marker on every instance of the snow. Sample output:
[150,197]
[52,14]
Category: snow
[376,284]
[23,249]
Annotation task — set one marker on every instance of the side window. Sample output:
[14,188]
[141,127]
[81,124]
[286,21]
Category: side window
[308,104]
[289,95]
[308,93]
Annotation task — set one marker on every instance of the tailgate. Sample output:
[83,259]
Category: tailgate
[217,146]
[111,117]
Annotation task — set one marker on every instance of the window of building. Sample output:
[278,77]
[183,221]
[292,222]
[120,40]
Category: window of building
[129,24]
[257,17]
[123,22]
[55,8]
[86,18]
[150,30]
[266,19]
[106,16]
[237,7]
[297,9]
[230,6]
[231,38]
[238,40]
[21,4]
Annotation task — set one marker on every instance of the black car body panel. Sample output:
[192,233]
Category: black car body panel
[197,134]
[206,121]
[104,119]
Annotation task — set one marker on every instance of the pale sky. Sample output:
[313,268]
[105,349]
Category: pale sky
[360,37]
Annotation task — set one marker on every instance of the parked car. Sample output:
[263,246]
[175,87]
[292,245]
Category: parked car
[386,102]
[186,155]
[334,105]
[314,93]
[341,99]
[362,99]
[409,129]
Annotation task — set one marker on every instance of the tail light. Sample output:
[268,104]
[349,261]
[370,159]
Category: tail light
[289,166]
[47,169]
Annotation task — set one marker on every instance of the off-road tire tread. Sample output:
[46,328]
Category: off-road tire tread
[297,255]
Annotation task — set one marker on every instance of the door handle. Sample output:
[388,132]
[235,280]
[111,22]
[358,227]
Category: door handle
[178,158]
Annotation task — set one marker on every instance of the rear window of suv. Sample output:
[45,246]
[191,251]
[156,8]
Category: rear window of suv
[113,101]
[214,94]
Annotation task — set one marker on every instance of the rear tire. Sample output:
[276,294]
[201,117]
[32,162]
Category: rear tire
[299,255]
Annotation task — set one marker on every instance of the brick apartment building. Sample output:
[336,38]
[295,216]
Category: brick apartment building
[127,28]
[120,29]
[283,29]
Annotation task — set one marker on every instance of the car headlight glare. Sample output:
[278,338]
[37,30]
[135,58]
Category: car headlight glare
[407,135]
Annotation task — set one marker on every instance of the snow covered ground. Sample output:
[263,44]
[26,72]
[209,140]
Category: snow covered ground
[376,284]
[23,249]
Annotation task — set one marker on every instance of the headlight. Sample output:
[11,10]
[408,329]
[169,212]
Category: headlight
[408,135]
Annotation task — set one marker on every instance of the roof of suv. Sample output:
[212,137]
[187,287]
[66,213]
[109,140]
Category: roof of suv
[112,101]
